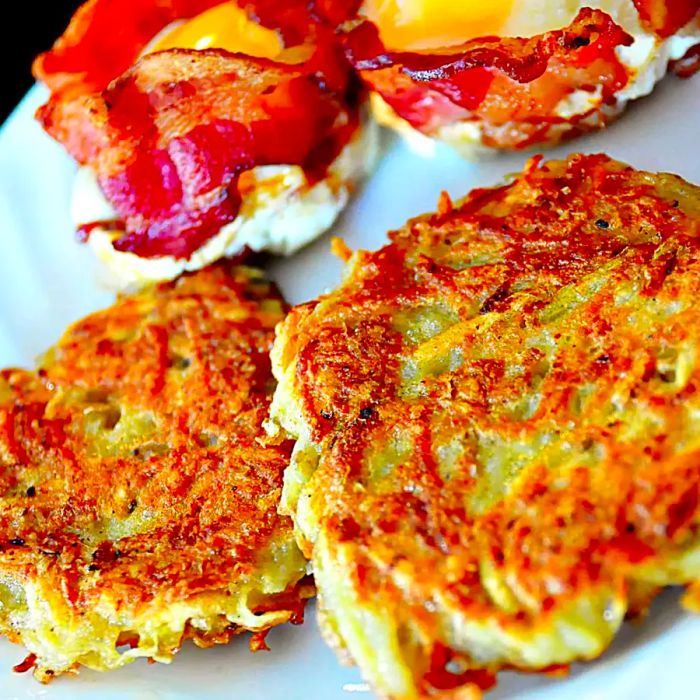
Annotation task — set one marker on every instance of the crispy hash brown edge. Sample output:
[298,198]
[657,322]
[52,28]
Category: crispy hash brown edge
[496,419]
[138,506]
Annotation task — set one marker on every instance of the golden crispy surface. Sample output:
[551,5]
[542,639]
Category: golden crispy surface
[498,425]
[137,507]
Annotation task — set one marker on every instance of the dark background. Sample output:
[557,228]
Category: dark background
[31,29]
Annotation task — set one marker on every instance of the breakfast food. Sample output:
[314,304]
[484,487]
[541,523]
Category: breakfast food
[203,130]
[497,419]
[511,75]
[138,508]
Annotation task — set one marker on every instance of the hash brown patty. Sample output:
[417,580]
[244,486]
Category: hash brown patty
[137,506]
[498,427]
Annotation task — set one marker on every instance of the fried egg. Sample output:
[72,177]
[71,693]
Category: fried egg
[440,26]
[281,197]
[414,25]
[224,26]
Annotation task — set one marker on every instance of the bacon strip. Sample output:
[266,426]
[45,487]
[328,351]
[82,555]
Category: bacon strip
[170,137]
[105,37]
[689,64]
[496,80]
[99,45]
[666,17]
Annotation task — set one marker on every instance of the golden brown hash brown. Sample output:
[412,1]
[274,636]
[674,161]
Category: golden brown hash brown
[498,427]
[137,507]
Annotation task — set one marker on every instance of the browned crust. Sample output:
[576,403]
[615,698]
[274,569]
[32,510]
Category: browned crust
[568,320]
[146,417]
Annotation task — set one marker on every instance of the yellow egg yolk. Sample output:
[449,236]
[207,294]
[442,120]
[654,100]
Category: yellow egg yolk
[223,26]
[427,24]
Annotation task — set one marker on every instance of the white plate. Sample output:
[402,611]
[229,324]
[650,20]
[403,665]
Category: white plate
[48,280]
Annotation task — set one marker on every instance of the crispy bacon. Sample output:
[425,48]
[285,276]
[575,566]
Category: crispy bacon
[170,137]
[666,17]
[26,665]
[99,44]
[689,64]
[310,22]
[496,80]
[334,12]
